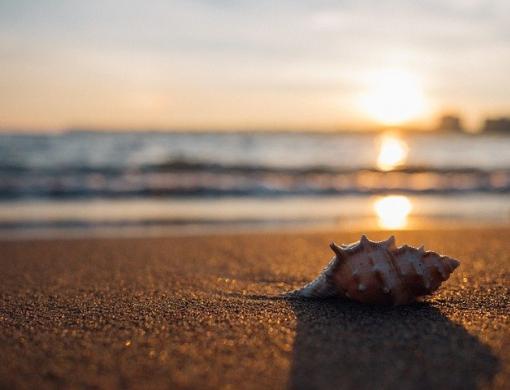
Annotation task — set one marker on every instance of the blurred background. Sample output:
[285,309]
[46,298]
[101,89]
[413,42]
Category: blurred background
[143,117]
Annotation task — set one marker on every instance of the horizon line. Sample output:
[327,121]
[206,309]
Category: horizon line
[93,129]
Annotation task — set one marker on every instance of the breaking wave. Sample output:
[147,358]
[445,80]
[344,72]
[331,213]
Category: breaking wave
[187,177]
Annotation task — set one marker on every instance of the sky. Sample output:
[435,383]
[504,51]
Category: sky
[251,64]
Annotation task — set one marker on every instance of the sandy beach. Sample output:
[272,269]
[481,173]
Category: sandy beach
[203,312]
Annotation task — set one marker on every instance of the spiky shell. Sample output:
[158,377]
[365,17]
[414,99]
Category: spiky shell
[380,273]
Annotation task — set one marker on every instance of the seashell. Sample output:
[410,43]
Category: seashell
[380,273]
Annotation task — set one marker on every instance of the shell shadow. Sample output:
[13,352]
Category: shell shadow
[351,346]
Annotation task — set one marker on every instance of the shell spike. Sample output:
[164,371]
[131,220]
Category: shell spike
[390,243]
[421,249]
[364,241]
[338,250]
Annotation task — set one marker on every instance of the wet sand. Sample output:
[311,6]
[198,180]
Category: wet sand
[203,312]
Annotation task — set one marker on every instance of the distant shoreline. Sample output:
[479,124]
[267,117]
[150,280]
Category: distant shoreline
[52,132]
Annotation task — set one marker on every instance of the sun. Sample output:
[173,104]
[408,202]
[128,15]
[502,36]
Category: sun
[393,97]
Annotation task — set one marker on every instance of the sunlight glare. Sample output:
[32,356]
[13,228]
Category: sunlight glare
[392,211]
[392,152]
[394,96]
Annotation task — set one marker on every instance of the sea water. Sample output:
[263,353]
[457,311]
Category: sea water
[86,182]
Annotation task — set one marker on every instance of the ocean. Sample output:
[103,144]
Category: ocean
[81,183]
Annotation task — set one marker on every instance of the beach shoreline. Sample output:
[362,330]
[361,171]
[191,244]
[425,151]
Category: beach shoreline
[202,311]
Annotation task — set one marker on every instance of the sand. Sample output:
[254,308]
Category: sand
[202,312]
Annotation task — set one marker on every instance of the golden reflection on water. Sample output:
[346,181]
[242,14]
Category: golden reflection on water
[392,211]
[392,152]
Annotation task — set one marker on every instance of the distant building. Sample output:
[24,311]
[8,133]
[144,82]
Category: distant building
[450,123]
[497,125]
